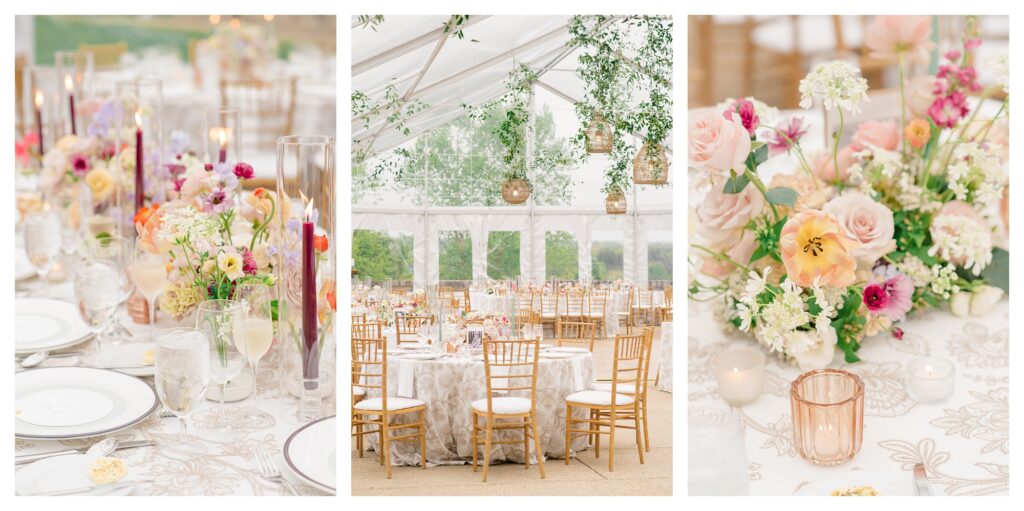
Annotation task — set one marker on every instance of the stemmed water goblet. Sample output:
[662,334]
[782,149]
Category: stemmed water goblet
[182,376]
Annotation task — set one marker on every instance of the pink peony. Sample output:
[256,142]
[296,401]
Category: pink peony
[744,109]
[880,134]
[887,36]
[717,145]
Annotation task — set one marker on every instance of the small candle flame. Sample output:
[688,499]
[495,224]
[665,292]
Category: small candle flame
[138,118]
[222,135]
[69,84]
[39,98]
[735,369]
[309,206]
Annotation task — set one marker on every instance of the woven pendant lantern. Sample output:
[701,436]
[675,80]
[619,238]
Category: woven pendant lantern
[648,170]
[615,203]
[515,191]
[599,135]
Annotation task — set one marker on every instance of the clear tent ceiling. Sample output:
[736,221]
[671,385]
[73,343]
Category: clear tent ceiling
[446,72]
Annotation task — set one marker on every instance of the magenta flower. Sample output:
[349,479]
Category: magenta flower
[946,111]
[897,332]
[786,135]
[747,115]
[248,262]
[243,171]
[892,298]
[80,165]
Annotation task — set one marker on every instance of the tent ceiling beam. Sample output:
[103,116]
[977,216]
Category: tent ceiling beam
[409,46]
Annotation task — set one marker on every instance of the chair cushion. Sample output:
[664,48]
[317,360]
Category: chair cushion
[625,388]
[394,403]
[358,391]
[503,405]
[599,397]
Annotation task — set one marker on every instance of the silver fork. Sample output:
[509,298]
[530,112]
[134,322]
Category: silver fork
[269,471]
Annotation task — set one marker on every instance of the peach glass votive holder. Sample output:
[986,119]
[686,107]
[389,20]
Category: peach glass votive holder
[828,415]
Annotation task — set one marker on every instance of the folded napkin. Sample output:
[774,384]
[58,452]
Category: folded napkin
[406,377]
[577,374]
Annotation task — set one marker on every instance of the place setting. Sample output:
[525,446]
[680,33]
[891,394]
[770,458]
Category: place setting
[848,319]
[179,315]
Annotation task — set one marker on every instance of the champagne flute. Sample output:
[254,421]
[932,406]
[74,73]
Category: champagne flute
[182,375]
[149,272]
[42,241]
[97,291]
[257,334]
[220,321]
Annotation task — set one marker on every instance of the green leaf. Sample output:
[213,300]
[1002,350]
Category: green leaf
[781,195]
[850,351]
[758,253]
[736,184]
[758,155]
[933,141]
[997,273]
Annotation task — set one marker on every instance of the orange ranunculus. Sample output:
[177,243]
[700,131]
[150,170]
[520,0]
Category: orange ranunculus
[320,243]
[148,238]
[917,132]
[813,245]
[144,213]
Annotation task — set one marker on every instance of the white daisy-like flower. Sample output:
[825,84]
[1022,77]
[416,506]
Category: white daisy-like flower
[1000,66]
[957,238]
[835,84]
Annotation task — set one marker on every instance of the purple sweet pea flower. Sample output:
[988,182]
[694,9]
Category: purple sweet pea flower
[226,175]
[218,201]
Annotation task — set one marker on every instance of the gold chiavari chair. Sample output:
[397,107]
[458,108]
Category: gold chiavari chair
[665,308]
[105,56]
[631,390]
[626,317]
[549,307]
[406,326]
[527,317]
[359,317]
[606,409]
[369,372]
[576,333]
[596,309]
[367,328]
[574,305]
[505,363]
[267,110]
[643,308]
[527,300]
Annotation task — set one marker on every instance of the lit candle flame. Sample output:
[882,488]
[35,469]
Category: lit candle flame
[222,135]
[69,84]
[138,118]
[39,98]
[309,205]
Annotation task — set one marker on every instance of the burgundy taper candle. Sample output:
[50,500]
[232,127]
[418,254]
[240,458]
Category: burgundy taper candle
[70,86]
[39,119]
[140,181]
[309,326]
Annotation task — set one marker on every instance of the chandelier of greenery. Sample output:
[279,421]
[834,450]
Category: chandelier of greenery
[612,81]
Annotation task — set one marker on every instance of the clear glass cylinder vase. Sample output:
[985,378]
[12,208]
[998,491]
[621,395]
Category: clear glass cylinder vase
[828,415]
[307,277]
[74,74]
[138,108]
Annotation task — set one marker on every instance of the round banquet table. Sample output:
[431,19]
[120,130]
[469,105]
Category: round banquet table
[487,302]
[962,442]
[229,468]
[449,385]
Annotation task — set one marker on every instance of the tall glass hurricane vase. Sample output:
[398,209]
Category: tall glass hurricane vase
[140,144]
[74,76]
[306,280]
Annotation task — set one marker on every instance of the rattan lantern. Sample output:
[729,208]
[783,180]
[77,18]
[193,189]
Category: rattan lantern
[515,191]
[615,203]
[650,169]
[599,135]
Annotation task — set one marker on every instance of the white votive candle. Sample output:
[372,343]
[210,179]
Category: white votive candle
[740,375]
[930,379]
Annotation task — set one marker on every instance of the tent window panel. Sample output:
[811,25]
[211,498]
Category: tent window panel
[381,255]
[606,259]
[561,256]
[456,255]
[503,254]
[659,256]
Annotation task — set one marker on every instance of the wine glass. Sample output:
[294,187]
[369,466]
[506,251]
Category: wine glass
[257,334]
[42,241]
[97,291]
[149,272]
[182,375]
[118,252]
[221,322]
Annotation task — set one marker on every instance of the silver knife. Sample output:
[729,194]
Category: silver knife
[29,458]
[106,488]
[921,480]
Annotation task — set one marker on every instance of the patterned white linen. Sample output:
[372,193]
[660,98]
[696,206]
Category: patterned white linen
[665,358]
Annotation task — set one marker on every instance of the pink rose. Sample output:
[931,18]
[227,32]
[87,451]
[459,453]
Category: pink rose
[717,144]
[866,221]
[722,214]
[880,134]
[920,94]
[824,168]
[738,249]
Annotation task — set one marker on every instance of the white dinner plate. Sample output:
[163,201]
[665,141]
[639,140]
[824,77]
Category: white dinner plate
[569,349]
[62,473]
[61,403]
[311,453]
[45,324]
[134,358]
[556,354]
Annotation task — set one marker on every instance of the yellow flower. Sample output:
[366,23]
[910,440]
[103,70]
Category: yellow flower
[230,262]
[813,245]
[101,183]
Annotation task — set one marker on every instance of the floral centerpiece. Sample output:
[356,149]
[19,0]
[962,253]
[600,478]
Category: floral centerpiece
[902,219]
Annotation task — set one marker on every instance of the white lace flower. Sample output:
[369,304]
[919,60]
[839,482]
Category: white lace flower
[958,238]
[943,280]
[835,84]
[755,285]
[918,272]
[1000,66]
